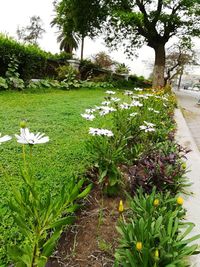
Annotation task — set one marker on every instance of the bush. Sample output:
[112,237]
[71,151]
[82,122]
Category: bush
[160,166]
[33,62]
[67,73]
[3,84]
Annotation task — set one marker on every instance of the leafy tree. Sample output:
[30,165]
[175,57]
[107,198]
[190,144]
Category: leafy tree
[153,23]
[83,18]
[33,32]
[178,56]
[103,60]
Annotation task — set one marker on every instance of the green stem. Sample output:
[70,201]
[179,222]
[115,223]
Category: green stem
[31,150]
[24,154]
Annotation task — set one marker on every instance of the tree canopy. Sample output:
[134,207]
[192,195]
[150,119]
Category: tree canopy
[33,32]
[83,18]
[152,22]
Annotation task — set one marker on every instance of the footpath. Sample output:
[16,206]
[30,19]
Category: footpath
[187,117]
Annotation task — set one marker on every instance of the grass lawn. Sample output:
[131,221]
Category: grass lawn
[57,114]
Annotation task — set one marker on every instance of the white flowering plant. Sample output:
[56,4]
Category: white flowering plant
[40,220]
[107,152]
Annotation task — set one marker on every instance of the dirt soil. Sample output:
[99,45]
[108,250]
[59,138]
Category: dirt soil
[92,240]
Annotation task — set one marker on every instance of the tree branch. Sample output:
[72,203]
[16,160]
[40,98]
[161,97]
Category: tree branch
[158,11]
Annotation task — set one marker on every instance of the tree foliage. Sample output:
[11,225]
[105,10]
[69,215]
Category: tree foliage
[79,18]
[178,56]
[153,23]
[31,33]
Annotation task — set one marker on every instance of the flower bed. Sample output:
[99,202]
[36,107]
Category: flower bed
[136,159]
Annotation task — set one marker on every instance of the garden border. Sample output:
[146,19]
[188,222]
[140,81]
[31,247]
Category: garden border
[184,138]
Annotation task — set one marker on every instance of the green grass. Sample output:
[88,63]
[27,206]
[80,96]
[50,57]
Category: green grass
[57,114]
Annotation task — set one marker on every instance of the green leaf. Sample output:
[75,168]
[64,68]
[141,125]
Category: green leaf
[62,222]
[102,175]
[85,192]
[50,244]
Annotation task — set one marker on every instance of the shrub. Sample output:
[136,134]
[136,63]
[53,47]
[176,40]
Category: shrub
[12,75]
[33,62]
[160,166]
[67,73]
[153,234]
[3,84]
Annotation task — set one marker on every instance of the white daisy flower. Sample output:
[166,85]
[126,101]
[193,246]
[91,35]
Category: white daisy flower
[106,103]
[165,98]
[147,128]
[89,117]
[105,110]
[155,111]
[89,111]
[128,93]
[100,132]
[149,124]
[143,96]
[110,92]
[26,137]
[138,89]
[125,106]
[135,103]
[4,138]
[133,114]
[134,96]
[115,99]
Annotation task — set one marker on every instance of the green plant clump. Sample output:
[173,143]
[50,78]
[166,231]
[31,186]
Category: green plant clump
[153,234]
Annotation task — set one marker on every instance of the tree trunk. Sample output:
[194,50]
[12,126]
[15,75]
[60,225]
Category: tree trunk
[82,46]
[159,66]
[180,78]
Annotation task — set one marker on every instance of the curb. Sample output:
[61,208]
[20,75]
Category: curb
[192,202]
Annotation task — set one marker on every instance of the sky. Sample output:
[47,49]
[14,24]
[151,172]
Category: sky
[14,13]
[17,13]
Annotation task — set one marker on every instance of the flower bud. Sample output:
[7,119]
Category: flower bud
[183,165]
[179,201]
[139,246]
[156,254]
[22,124]
[156,202]
[121,206]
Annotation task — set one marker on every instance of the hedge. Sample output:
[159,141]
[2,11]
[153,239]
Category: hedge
[33,61]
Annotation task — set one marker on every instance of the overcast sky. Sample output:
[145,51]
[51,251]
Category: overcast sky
[14,13]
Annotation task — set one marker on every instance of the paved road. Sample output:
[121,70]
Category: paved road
[187,101]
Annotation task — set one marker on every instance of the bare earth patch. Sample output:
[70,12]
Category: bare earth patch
[92,240]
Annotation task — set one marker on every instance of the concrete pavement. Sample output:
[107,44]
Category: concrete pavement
[188,135]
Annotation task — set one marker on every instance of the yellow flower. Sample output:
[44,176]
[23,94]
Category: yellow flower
[156,202]
[139,246]
[121,206]
[156,253]
[179,201]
